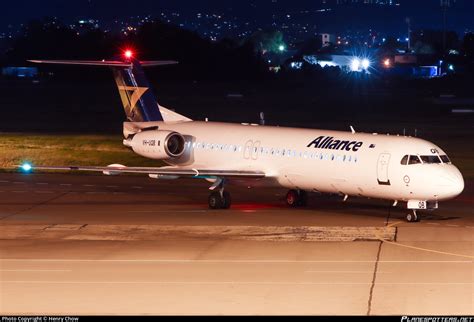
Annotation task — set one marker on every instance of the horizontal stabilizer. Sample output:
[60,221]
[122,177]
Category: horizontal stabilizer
[109,63]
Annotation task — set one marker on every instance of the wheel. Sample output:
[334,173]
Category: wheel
[215,200]
[413,217]
[226,200]
[303,198]
[292,198]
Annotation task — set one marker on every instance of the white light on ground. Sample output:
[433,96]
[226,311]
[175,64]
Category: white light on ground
[355,64]
[365,63]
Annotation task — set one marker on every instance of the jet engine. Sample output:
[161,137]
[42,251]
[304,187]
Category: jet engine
[156,144]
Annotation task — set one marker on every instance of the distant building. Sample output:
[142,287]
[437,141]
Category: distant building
[368,2]
[327,39]
[20,72]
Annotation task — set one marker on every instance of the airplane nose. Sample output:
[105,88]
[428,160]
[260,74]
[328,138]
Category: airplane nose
[458,183]
[453,181]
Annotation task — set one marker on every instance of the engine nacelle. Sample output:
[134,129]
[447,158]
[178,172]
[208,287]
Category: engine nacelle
[156,144]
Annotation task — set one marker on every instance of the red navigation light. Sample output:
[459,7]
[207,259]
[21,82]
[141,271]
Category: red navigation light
[128,54]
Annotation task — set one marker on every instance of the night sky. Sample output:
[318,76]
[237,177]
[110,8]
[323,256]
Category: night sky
[424,13]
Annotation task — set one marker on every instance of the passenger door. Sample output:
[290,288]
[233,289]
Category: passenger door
[382,169]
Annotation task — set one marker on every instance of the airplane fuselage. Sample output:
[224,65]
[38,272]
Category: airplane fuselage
[353,164]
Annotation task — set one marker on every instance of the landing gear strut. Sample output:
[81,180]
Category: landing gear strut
[414,217]
[219,198]
[219,201]
[296,198]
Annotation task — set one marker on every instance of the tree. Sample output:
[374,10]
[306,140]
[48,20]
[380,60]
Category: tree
[468,45]
[268,41]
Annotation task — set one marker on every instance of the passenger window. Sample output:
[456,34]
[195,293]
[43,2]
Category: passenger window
[414,159]
[404,160]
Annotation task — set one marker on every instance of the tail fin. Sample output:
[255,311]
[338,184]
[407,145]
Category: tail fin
[138,100]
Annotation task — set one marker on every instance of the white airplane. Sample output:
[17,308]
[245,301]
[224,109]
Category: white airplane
[392,167]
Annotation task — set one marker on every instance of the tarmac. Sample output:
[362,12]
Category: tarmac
[85,244]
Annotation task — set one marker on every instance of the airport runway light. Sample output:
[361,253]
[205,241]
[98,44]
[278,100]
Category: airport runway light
[365,63]
[355,64]
[451,67]
[26,167]
[386,62]
[281,48]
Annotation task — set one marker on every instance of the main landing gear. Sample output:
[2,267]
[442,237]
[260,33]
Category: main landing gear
[219,198]
[296,198]
[413,217]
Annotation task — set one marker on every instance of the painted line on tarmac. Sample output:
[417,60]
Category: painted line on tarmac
[228,261]
[42,183]
[166,211]
[349,272]
[44,191]
[18,191]
[421,248]
[18,182]
[35,270]
[226,283]
[429,250]
[4,181]
[65,184]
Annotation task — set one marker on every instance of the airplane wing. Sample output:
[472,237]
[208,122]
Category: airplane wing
[160,171]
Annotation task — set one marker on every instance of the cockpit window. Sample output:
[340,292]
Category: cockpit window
[425,159]
[404,160]
[445,158]
[430,159]
[414,159]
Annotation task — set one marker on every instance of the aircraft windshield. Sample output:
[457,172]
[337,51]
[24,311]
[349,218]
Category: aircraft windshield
[445,158]
[414,159]
[424,159]
[430,159]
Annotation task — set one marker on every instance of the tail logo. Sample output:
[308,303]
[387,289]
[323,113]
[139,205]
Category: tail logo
[136,94]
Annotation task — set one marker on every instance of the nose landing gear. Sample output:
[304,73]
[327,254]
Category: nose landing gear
[413,217]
